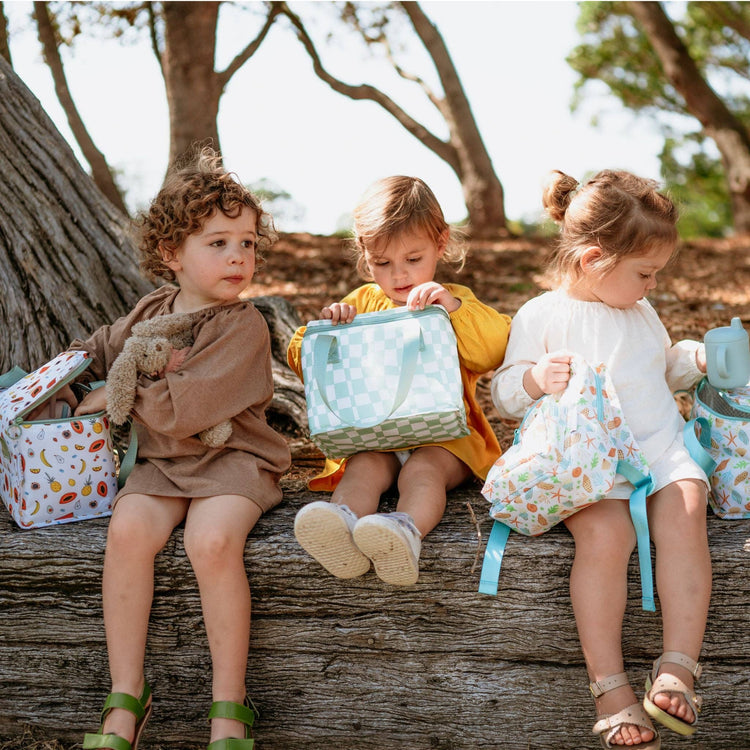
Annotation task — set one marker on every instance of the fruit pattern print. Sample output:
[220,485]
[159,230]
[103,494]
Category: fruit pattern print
[54,470]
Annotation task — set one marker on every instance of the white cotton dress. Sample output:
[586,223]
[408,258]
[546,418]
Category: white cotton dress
[645,367]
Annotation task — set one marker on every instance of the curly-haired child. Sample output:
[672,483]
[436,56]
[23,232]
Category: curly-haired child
[203,234]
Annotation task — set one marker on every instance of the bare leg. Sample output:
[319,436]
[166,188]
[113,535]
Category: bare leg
[677,520]
[367,477]
[605,539]
[216,531]
[140,526]
[423,482]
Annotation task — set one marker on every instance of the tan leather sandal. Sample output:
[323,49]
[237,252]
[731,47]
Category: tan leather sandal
[608,725]
[668,683]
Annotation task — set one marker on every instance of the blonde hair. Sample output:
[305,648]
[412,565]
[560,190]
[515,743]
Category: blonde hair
[616,211]
[192,193]
[396,205]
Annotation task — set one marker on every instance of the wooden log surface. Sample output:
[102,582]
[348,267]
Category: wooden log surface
[356,665]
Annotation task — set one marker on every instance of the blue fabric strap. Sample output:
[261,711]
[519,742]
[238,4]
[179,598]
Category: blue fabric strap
[7,379]
[698,446]
[493,559]
[643,486]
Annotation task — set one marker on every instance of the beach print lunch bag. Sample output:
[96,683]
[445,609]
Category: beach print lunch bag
[728,414]
[565,456]
[53,470]
[387,380]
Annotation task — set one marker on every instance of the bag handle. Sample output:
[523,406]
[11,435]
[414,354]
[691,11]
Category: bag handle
[698,444]
[324,351]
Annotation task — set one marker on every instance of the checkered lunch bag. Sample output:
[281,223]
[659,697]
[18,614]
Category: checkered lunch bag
[388,380]
[53,469]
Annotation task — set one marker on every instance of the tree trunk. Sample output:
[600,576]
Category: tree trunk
[464,152]
[193,88]
[4,48]
[728,132]
[483,193]
[357,664]
[66,262]
[100,170]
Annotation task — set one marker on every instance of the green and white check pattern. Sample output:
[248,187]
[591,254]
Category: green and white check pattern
[389,380]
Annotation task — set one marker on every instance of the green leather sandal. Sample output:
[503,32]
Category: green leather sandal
[139,707]
[244,712]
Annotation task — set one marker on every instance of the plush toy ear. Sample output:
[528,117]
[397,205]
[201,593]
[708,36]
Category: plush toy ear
[120,386]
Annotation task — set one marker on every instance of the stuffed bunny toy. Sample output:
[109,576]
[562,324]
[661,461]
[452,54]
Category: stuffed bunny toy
[149,350]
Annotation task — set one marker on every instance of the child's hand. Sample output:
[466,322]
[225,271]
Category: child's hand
[431,293]
[700,358]
[176,360]
[93,402]
[338,312]
[549,375]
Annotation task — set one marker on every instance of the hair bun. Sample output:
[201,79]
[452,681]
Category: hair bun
[557,192]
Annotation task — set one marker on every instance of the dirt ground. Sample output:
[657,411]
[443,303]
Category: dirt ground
[706,285]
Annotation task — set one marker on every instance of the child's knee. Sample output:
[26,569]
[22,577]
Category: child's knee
[210,547]
[133,532]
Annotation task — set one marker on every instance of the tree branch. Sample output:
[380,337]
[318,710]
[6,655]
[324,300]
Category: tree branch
[153,36]
[367,92]
[239,60]
[100,170]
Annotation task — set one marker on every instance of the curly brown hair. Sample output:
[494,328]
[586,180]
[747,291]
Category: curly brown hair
[193,192]
[617,211]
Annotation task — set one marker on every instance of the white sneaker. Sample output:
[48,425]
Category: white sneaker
[392,542]
[324,531]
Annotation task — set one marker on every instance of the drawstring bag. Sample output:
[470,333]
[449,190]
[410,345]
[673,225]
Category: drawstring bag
[565,456]
[56,468]
[388,380]
[728,414]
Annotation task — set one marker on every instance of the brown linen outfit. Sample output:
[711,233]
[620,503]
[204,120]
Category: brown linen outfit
[226,375]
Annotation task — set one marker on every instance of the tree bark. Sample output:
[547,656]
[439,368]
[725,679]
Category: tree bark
[100,170]
[66,261]
[193,90]
[4,47]
[482,190]
[356,664]
[464,152]
[727,131]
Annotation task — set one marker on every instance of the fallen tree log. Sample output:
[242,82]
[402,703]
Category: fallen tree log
[355,665]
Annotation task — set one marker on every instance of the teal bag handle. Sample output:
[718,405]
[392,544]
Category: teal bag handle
[324,354]
[698,446]
[643,485]
[493,553]
[7,379]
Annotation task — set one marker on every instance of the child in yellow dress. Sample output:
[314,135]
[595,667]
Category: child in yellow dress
[401,236]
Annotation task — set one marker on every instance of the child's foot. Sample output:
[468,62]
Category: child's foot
[671,699]
[626,734]
[324,531]
[392,542]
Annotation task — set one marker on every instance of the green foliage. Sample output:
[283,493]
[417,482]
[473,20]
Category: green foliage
[695,180]
[613,51]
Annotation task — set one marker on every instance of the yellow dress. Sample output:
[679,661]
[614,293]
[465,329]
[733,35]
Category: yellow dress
[482,335]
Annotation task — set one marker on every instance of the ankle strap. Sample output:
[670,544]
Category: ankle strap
[682,660]
[600,687]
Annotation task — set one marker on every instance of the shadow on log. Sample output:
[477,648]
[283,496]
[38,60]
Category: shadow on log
[356,665]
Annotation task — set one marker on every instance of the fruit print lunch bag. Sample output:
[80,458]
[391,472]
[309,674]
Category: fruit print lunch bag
[53,470]
[565,456]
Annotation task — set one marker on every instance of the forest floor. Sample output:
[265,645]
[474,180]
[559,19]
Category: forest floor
[706,285]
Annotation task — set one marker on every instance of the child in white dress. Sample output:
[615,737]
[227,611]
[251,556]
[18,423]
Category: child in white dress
[617,233]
